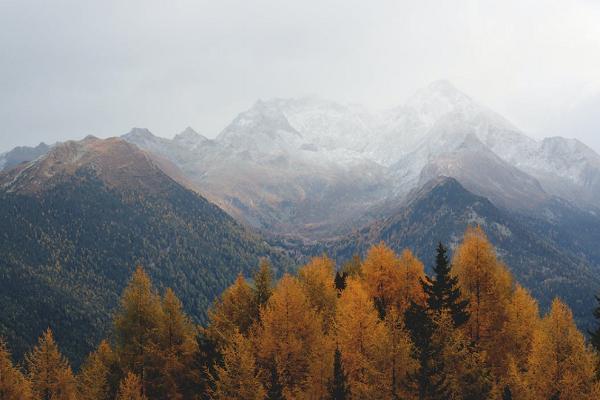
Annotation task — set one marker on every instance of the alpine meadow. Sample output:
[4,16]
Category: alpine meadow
[387,200]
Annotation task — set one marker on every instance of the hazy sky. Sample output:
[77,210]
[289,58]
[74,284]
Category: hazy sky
[72,68]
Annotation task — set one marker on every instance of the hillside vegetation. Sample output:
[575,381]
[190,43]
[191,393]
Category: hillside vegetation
[380,328]
[71,234]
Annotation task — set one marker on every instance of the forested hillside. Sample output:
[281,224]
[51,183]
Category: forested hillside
[72,231]
[380,328]
[548,259]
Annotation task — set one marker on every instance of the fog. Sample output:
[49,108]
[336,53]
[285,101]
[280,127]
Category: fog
[72,68]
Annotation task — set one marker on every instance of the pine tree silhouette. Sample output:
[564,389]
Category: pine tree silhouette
[443,292]
[275,388]
[338,388]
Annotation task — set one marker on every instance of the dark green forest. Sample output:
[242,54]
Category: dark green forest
[67,254]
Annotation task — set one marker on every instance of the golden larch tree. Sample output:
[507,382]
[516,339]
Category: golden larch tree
[362,338]
[316,279]
[94,378]
[412,272]
[382,276]
[131,388]
[487,284]
[463,366]
[176,349]
[560,362]
[13,384]
[289,333]
[238,378]
[320,369]
[234,311]
[49,371]
[137,324]
[522,320]
[398,361]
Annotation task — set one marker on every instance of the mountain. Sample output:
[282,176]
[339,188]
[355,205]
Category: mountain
[272,176]
[74,224]
[483,172]
[439,116]
[441,210]
[311,168]
[566,168]
[22,154]
[438,120]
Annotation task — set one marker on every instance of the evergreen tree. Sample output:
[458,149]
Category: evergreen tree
[339,389]
[443,293]
[428,379]
[340,280]
[274,387]
[506,393]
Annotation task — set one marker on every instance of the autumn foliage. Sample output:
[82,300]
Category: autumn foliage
[380,329]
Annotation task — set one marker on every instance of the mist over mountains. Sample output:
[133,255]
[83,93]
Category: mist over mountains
[281,164]
[301,177]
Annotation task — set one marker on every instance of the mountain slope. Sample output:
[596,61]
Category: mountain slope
[76,222]
[481,171]
[566,168]
[264,172]
[22,154]
[309,167]
[443,209]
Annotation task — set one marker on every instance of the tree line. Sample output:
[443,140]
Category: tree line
[378,328]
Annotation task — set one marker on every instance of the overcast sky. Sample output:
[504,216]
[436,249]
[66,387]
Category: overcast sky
[72,68]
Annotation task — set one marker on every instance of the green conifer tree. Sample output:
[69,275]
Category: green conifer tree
[340,281]
[339,389]
[274,387]
[428,379]
[443,293]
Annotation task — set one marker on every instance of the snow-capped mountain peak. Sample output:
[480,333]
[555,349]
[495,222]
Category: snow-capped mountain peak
[438,99]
